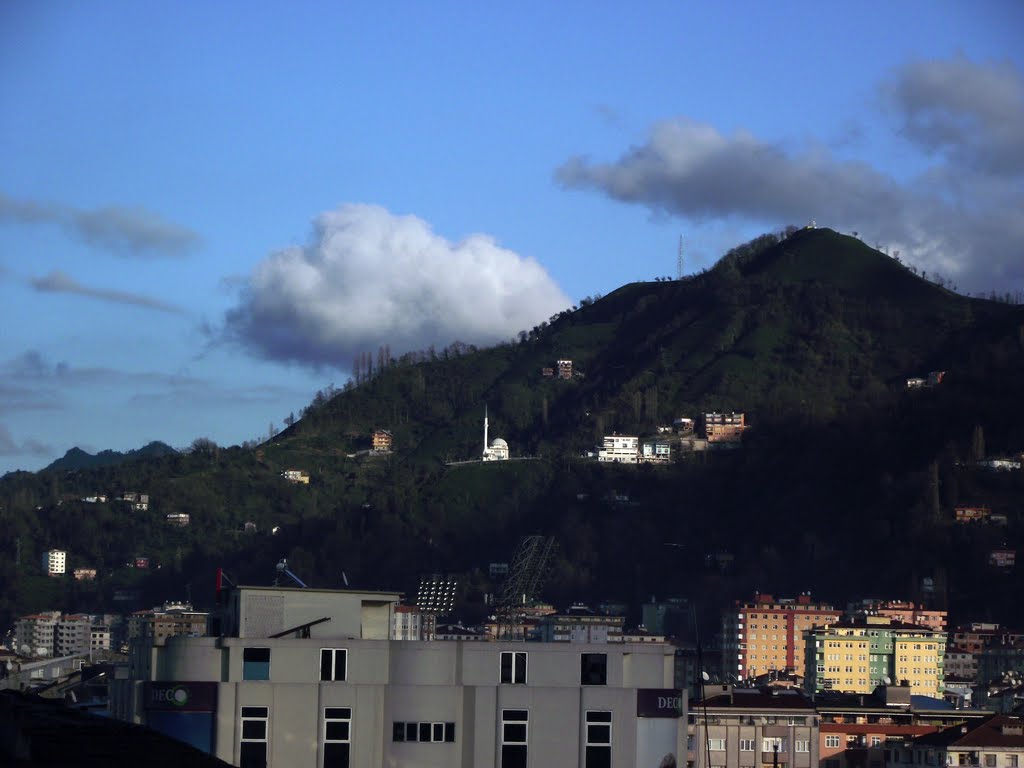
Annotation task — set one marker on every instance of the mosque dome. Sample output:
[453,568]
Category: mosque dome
[499,443]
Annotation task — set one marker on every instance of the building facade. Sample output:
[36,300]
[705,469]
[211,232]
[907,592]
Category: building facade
[724,427]
[767,634]
[621,449]
[749,727]
[309,677]
[858,656]
[55,562]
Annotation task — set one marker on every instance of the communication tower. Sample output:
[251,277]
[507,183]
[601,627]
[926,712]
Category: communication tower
[679,260]
[526,575]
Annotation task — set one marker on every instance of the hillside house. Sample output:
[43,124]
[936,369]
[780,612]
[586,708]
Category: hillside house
[179,519]
[619,449]
[55,562]
[915,383]
[296,476]
[971,514]
[564,369]
[138,502]
[935,378]
[683,425]
[383,441]
[724,427]
[1003,558]
[994,741]
[655,451]
[84,574]
[547,373]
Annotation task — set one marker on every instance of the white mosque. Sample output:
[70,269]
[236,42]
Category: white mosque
[497,450]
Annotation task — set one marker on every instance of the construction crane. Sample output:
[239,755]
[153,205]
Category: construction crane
[525,577]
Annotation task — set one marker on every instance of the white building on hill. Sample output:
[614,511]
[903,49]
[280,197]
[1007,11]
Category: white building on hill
[497,450]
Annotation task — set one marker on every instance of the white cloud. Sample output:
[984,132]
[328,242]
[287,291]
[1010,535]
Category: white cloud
[369,277]
[960,217]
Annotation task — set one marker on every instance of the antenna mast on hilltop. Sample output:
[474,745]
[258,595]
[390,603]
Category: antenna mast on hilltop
[679,260]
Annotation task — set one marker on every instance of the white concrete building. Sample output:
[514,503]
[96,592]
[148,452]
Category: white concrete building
[303,677]
[655,451]
[36,635]
[620,449]
[55,562]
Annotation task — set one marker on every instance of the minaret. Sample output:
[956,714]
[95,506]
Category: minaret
[485,430]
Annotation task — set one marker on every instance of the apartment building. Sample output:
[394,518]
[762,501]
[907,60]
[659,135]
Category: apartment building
[382,440]
[157,624]
[579,624]
[724,427]
[35,635]
[619,449]
[994,742]
[410,623]
[767,634]
[55,562]
[655,451]
[746,727]
[309,677]
[857,656]
[296,476]
[903,611]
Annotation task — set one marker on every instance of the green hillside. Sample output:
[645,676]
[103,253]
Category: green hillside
[844,485]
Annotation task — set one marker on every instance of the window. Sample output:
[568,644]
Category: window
[1011,761]
[876,741]
[599,740]
[337,736]
[513,667]
[333,663]
[771,744]
[594,669]
[831,741]
[253,741]
[746,745]
[255,663]
[428,732]
[990,761]
[801,745]
[514,731]
[716,745]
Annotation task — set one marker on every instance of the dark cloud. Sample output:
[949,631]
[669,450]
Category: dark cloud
[973,114]
[121,230]
[58,282]
[30,447]
[961,217]
[369,277]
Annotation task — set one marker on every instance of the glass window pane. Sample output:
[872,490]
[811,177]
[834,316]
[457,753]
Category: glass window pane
[411,732]
[520,670]
[340,659]
[255,711]
[398,732]
[599,734]
[438,734]
[520,715]
[338,713]
[599,717]
[254,729]
[253,754]
[256,654]
[506,667]
[514,733]
[449,731]
[325,663]
[336,755]
[513,756]
[424,731]
[336,731]
[599,757]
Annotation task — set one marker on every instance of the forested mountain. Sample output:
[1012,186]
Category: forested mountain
[844,485]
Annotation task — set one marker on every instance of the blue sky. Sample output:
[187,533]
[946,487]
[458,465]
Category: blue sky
[207,208]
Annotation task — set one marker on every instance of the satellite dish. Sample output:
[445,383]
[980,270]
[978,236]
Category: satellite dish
[887,680]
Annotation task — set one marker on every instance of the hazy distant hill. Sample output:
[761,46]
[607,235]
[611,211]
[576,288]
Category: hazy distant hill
[845,484]
[76,458]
